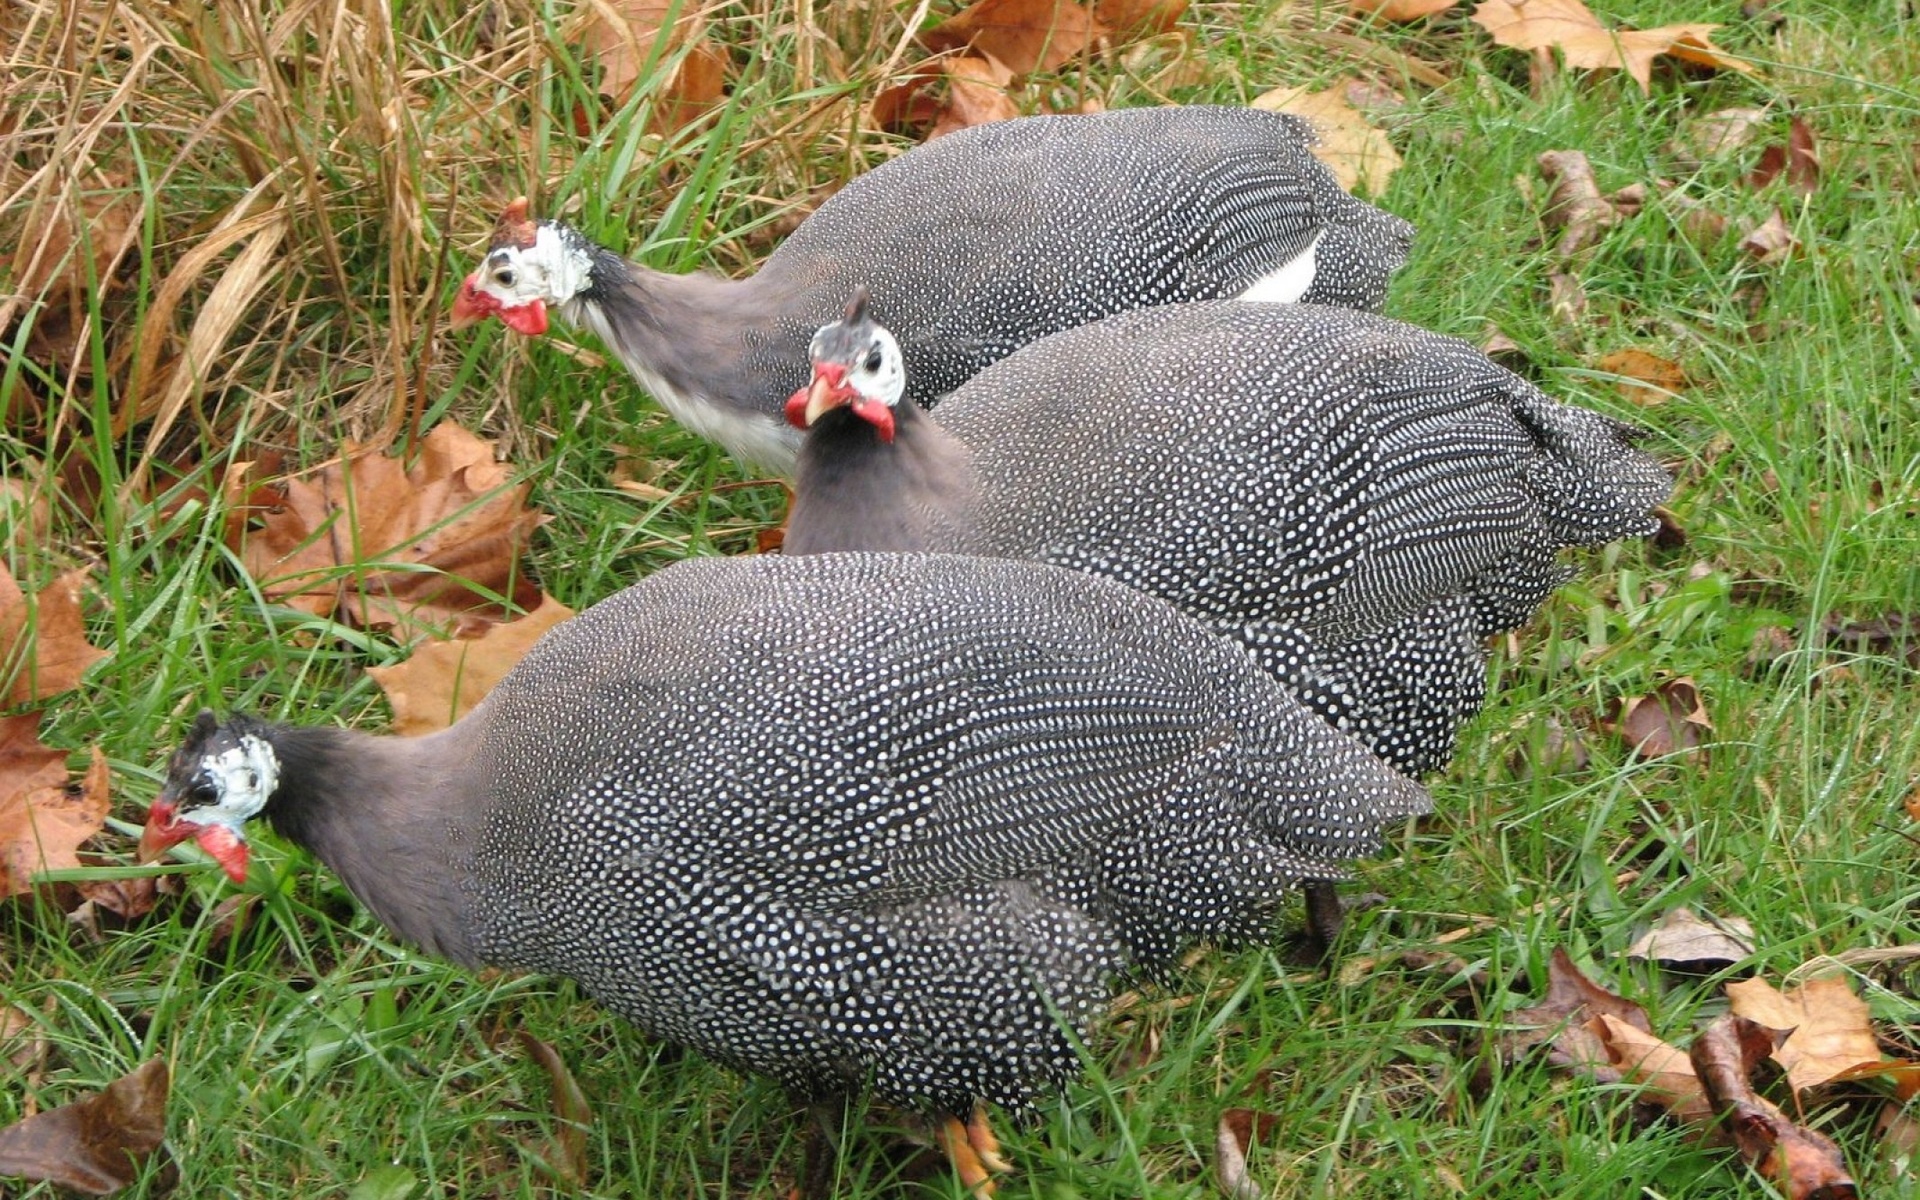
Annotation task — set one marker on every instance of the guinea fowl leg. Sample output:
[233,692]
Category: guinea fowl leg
[957,1143]
[1324,914]
[985,1146]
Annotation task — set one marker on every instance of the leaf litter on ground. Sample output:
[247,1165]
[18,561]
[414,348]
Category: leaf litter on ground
[1360,155]
[443,680]
[43,638]
[1584,42]
[95,1145]
[1682,940]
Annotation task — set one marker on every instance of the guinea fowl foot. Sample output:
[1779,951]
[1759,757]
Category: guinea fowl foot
[973,1151]
[1324,916]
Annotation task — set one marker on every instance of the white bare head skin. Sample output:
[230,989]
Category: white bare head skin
[553,270]
[241,778]
[874,364]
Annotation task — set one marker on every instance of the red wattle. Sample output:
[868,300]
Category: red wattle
[529,318]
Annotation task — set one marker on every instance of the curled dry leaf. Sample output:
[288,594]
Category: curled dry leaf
[42,821]
[1562,1020]
[1024,36]
[1895,635]
[1356,152]
[1671,718]
[1771,240]
[1798,160]
[391,545]
[1571,28]
[1575,207]
[1713,135]
[1132,19]
[977,93]
[1645,378]
[1238,1130]
[1804,1164]
[570,1110]
[43,641]
[624,35]
[1684,940]
[1548,747]
[442,681]
[1399,10]
[1664,1072]
[97,1145]
[1829,1032]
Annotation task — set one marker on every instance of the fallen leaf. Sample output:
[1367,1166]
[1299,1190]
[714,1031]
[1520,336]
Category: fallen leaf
[623,35]
[1024,36]
[1548,747]
[1805,1164]
[976,94]
[1682,939]
[97,1145]
[1356,152]
[390,545]
[21,1040]
[442,681]
[1769,645]
[1575,207]
[1671,718]
[1566,299]
[1913,804]
[1895,635]
[1133,19]
[1399,10]
[1829,1031]
[42,821]
[1665,1073]
[26,513]
[1716,134]
[1569,27]
[570,1109]
[1798,160]
[1233,1138]
[1563,1018]
[65,247]
[43,642]
[1495,344]
[1771,240]
[1645,379]
[1703,226]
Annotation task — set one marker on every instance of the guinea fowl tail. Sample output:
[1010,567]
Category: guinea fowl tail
[1593,483]
[1359,250]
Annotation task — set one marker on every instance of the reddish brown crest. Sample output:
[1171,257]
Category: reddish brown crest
[515,227]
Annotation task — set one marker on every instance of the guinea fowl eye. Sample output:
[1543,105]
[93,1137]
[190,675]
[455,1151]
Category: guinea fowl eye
[873,359]
[203,793]
[504,277]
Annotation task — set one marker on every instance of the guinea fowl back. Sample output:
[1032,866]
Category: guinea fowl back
[908,783]
[1002,233]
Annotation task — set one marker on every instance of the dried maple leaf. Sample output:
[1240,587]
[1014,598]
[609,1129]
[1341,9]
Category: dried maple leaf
[1139,18]
[976,94]
[1771,240]
[623,35]
[1712,135]
[1670,718]
[1798,160]
[1645,379]
[43,642]
[442,681]
[1575,207]
[1238,1130]
[1682,939]
[391,545]
[1569,27]
[1830,1035]
[1664,1072]
[96,1145]
[1804,1164]
[1399,10]
[570,1109]
[65,247]
[1356,152]
[1562,1020]
[42,823]
[1023,36]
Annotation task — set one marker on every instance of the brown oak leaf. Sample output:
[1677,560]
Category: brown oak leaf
[442,681]
[43,641]
[42,821]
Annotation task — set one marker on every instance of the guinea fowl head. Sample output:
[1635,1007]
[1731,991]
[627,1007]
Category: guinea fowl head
[856,365]
[222,776]
[529,265]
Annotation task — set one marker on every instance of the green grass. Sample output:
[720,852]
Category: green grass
[312,1055]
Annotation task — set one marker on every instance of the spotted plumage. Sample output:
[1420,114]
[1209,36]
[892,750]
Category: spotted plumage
[1357,500]
[850,819]
[973,245]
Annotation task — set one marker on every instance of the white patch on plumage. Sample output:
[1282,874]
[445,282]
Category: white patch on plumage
[550,270]
[1288,282]
[243,776]
[760,439]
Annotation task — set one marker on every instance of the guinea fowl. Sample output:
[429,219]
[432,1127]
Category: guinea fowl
[974,245]
[1358,501]
[886,819]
